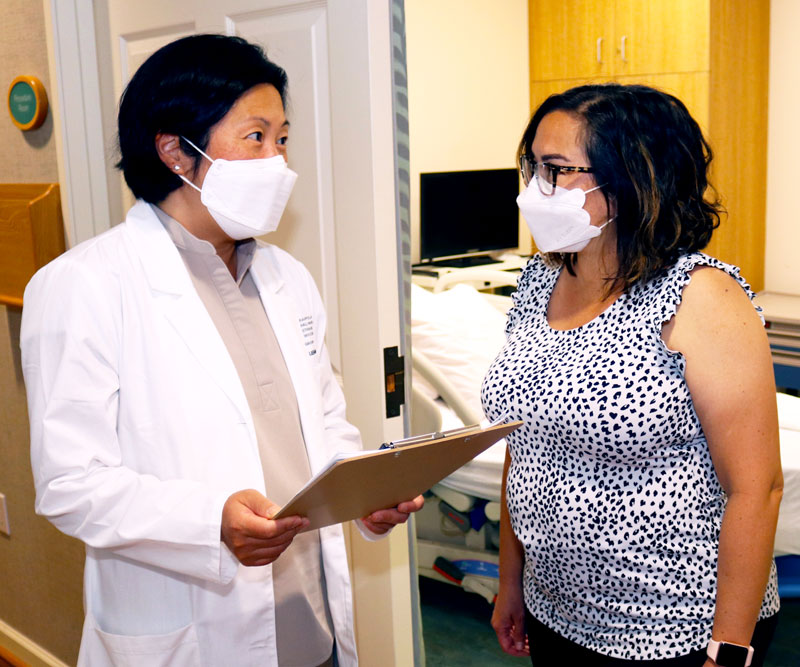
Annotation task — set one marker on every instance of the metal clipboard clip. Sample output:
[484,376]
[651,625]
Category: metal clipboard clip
[427,437]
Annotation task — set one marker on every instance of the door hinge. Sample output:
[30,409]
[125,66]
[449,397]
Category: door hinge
[394,381]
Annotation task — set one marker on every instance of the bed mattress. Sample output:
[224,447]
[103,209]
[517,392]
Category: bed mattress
[480,477]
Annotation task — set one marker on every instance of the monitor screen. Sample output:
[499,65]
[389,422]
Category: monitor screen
[468,212]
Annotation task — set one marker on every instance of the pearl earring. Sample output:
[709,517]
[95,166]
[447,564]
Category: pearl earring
[177,167]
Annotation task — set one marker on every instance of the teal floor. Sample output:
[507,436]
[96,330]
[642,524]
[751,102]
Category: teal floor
[456,630]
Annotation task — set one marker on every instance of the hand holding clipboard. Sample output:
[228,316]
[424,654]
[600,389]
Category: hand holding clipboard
[354,485]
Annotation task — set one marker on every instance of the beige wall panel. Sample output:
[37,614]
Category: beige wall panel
[468,97]
[28,157]
[783,231]
[40,569]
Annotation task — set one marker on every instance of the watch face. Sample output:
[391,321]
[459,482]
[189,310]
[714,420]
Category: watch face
[731,655]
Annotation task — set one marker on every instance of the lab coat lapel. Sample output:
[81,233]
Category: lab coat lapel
[176,297]
[285,321]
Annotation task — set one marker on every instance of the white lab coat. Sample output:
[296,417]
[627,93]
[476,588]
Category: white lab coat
[140,430]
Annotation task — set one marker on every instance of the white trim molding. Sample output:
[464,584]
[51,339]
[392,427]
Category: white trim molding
[26,649]
[79,122]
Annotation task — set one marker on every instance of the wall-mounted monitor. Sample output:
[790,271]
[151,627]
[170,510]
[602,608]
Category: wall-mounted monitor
[464,215]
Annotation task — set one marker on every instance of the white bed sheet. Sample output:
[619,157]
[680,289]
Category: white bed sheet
[480,477]
[787,537]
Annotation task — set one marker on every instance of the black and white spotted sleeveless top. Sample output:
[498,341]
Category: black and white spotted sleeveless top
[611,488]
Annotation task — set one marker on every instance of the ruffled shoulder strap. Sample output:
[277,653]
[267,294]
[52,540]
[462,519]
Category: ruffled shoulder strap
[663,294]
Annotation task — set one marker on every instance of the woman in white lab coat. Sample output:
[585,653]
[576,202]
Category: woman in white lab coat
[178,380]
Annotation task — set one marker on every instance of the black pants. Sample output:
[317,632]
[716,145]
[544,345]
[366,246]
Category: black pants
[549,648]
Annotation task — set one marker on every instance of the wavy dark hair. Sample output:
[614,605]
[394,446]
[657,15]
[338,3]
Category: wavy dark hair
[652,160]
[185,88]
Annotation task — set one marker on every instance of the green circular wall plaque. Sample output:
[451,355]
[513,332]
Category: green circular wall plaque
[27,102]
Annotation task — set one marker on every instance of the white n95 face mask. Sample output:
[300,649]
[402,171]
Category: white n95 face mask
[558,223]
[246,197]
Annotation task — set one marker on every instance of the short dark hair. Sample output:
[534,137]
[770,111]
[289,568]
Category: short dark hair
[652,160]
[185,88]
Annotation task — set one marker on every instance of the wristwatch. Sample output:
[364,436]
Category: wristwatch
[726,654]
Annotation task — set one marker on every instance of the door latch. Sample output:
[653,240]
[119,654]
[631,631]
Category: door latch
[394,381]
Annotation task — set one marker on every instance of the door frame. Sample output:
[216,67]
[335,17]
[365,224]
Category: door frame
[80,144]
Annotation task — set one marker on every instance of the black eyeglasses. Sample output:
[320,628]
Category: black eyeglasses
[546,174]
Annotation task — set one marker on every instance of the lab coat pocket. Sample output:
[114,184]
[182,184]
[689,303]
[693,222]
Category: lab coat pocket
[174,649]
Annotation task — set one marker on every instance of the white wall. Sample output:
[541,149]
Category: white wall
[468,91]
[782,272]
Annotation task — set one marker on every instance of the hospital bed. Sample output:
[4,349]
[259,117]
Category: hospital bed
[456,332]
[782,316]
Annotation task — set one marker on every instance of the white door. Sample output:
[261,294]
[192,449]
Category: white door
[294,35]
[341,218]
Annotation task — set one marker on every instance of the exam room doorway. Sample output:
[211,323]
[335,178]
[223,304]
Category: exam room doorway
[467,106]
[341,219]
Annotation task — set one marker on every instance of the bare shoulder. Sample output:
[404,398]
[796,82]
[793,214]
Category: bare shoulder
[712,295]
[714,310]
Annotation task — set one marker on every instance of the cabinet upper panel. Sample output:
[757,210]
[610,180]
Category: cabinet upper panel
[661,36]
[575,39]
[570,38]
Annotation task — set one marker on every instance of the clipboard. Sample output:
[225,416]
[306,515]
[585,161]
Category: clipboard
[361,483]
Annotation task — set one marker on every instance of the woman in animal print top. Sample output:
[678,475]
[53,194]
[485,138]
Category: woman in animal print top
[641,494]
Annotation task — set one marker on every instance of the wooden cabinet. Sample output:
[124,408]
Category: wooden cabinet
[571,39]
[712,54]
[576,39]
[31,234]
[661,36]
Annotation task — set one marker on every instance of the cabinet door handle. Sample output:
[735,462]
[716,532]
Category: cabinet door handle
[622,48]
[599,50]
